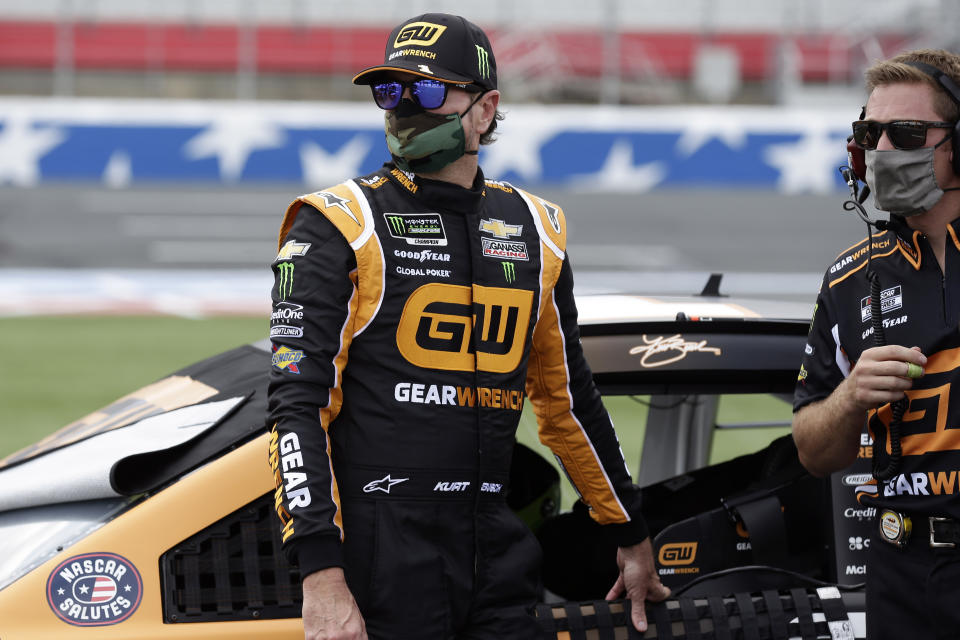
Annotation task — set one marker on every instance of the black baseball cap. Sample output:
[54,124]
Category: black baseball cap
[442,46]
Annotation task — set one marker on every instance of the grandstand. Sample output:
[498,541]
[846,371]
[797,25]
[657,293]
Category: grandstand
[612,51]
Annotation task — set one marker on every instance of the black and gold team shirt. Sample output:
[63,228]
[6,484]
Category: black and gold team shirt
[920,307]
[412,320]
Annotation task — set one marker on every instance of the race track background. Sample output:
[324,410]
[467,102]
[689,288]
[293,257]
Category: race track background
[186,249]
[173,206]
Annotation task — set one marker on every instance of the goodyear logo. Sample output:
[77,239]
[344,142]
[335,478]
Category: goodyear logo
[678,553]
[287,359]
[456,328]
[422,34]
[94,590]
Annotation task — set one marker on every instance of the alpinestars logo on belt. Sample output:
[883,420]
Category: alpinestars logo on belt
[383,484]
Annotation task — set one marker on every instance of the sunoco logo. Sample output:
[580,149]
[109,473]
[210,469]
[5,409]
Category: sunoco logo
[287,359]
[94,590]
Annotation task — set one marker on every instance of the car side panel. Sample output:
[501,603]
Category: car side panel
[141,536]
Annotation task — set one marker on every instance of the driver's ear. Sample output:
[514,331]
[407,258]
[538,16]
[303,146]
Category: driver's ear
[488,110]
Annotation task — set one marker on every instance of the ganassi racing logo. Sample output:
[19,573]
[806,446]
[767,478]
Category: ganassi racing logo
[94,589]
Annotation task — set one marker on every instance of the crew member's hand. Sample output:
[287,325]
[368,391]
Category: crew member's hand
[882,375]
[638,578]
[329,610]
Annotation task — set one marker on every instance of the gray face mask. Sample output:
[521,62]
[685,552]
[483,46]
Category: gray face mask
[903,182]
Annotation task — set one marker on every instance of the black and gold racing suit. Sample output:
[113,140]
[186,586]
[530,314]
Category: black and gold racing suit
[412,319]
[920,306]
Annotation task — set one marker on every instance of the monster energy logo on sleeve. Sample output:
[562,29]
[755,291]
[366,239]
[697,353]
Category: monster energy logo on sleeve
[396,225]
[483,62]
[286,279]
[509,271]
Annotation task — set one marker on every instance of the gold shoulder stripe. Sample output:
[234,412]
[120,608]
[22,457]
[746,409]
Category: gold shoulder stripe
[953,236]
[549,219]
[340,206]
[854,246]
[861,266]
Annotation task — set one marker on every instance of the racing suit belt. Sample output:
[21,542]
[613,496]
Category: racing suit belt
[360,481]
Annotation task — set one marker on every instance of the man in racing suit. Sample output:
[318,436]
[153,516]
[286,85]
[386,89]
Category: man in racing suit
[847,376]
[416,310]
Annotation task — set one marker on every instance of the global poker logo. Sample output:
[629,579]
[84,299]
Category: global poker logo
[94,590]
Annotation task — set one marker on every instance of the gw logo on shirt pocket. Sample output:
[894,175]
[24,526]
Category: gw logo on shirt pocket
[438,321]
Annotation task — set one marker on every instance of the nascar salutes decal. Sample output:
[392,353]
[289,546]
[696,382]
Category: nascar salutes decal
[287,359]
[94,590]
[417,228]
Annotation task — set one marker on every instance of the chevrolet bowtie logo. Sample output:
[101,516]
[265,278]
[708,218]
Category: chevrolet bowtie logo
[382,484]
[292,249]
[500,229]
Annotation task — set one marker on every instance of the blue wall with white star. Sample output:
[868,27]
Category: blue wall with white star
[630,149]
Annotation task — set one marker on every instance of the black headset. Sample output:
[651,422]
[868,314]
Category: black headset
[948,85]
[855,155]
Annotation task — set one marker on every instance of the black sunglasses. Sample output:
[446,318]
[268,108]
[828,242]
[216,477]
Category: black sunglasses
[903,134]
[428,93]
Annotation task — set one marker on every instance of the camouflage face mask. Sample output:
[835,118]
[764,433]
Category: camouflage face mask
[423,142]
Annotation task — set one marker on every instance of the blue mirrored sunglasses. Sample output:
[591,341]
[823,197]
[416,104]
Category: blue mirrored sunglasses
[429,94]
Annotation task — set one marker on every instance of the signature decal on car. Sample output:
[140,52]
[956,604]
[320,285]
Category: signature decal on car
[94,589]
[660,350]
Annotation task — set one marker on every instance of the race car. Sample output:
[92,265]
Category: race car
[154,517]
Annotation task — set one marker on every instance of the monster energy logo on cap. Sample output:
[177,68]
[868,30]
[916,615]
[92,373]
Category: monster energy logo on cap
[483,62]
[286,279]
[509,271]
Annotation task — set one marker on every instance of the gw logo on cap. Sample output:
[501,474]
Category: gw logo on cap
[423,34]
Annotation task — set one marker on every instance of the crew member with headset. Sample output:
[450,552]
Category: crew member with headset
[884,346]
